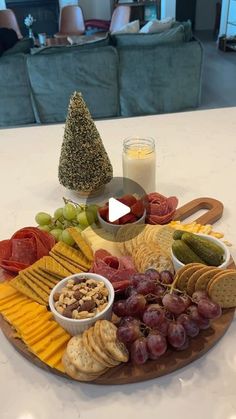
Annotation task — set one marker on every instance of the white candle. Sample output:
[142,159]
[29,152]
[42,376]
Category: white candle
[139,162]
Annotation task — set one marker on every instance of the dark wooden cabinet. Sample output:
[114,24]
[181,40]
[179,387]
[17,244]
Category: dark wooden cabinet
[186,9]
[138,8]
[45,13]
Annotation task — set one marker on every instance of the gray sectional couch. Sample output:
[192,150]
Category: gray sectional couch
[123,75]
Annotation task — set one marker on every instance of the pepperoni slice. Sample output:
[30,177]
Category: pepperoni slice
[5,249]
[23,251]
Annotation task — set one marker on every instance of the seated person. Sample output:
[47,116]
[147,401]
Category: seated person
[8,38]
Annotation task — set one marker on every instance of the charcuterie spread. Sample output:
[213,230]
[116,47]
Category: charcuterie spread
[168,282]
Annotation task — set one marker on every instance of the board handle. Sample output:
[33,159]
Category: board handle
[214,206]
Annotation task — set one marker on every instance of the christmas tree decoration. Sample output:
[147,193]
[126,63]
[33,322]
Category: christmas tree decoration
[84,164]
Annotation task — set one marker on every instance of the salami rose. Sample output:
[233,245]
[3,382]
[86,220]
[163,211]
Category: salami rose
[117,270]
[24,248]
[160,209]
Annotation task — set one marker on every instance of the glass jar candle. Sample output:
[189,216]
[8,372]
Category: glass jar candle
[139,162]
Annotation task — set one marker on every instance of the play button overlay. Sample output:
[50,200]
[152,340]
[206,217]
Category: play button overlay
[121,204]
[116,210]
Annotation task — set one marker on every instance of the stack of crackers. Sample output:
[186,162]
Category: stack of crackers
[149,245]
[151,256]
[132,236]
[220,284]
[95,351]
[37,281]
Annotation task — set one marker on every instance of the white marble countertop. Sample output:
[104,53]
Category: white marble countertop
[196,157]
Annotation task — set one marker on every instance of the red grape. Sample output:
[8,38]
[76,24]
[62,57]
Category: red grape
[156,344]
[185,345]
[137,277]
[209,309]
[128,333]
[135,304]
[130,291]
[120,308]
[166,277]
[201,321]
[162,326]
[153,317]
[146,287]
[189,324]
[173,303]
[199,295]
[187,301]
[176,334]
[152,274]
[128,320]
[139,351]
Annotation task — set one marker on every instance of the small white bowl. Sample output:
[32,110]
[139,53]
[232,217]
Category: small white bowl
[77,326]
[177,264]
[113,228]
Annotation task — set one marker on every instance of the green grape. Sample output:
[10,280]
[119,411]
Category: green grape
[42,218]
[57,233]
[58,214]
[66,224]
[78,210]
[59,224]
[79,228]
[69,212]
[94,209]
[85,218]
[66,238]
[45,228]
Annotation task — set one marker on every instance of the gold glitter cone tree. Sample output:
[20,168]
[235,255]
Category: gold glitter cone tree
[84,164]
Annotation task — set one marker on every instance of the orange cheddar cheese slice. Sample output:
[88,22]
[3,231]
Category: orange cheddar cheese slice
[54,347]
[41,333]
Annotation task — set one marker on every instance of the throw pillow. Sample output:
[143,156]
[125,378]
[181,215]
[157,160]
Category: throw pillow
[131,27]
[157,26]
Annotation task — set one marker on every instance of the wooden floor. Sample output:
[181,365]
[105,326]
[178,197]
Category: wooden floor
[219,74]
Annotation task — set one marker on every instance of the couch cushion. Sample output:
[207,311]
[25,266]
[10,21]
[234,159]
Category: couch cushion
[173,35]
[15,101]
[23,45]
[55,77]
[168,80]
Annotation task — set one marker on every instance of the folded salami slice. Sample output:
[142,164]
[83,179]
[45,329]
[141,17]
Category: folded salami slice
[160,209]
[24,248]
[117,270]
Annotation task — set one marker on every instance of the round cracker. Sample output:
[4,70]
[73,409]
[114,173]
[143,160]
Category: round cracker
[81,358]
[73,372]
[116,348]
[223,289]
[185,274]
[194,277]
[90,349]
[203,281]
[93,341]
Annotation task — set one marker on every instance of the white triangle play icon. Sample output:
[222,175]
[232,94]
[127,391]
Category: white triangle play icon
[116,210]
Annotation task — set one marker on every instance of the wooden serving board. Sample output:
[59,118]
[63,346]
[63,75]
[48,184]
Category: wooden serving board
[172,360]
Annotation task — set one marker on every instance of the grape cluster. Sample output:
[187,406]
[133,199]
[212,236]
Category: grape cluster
[154,316]
[70,215]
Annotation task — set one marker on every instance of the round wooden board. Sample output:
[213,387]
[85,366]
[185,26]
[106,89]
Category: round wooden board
[128,373]
[172,360]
